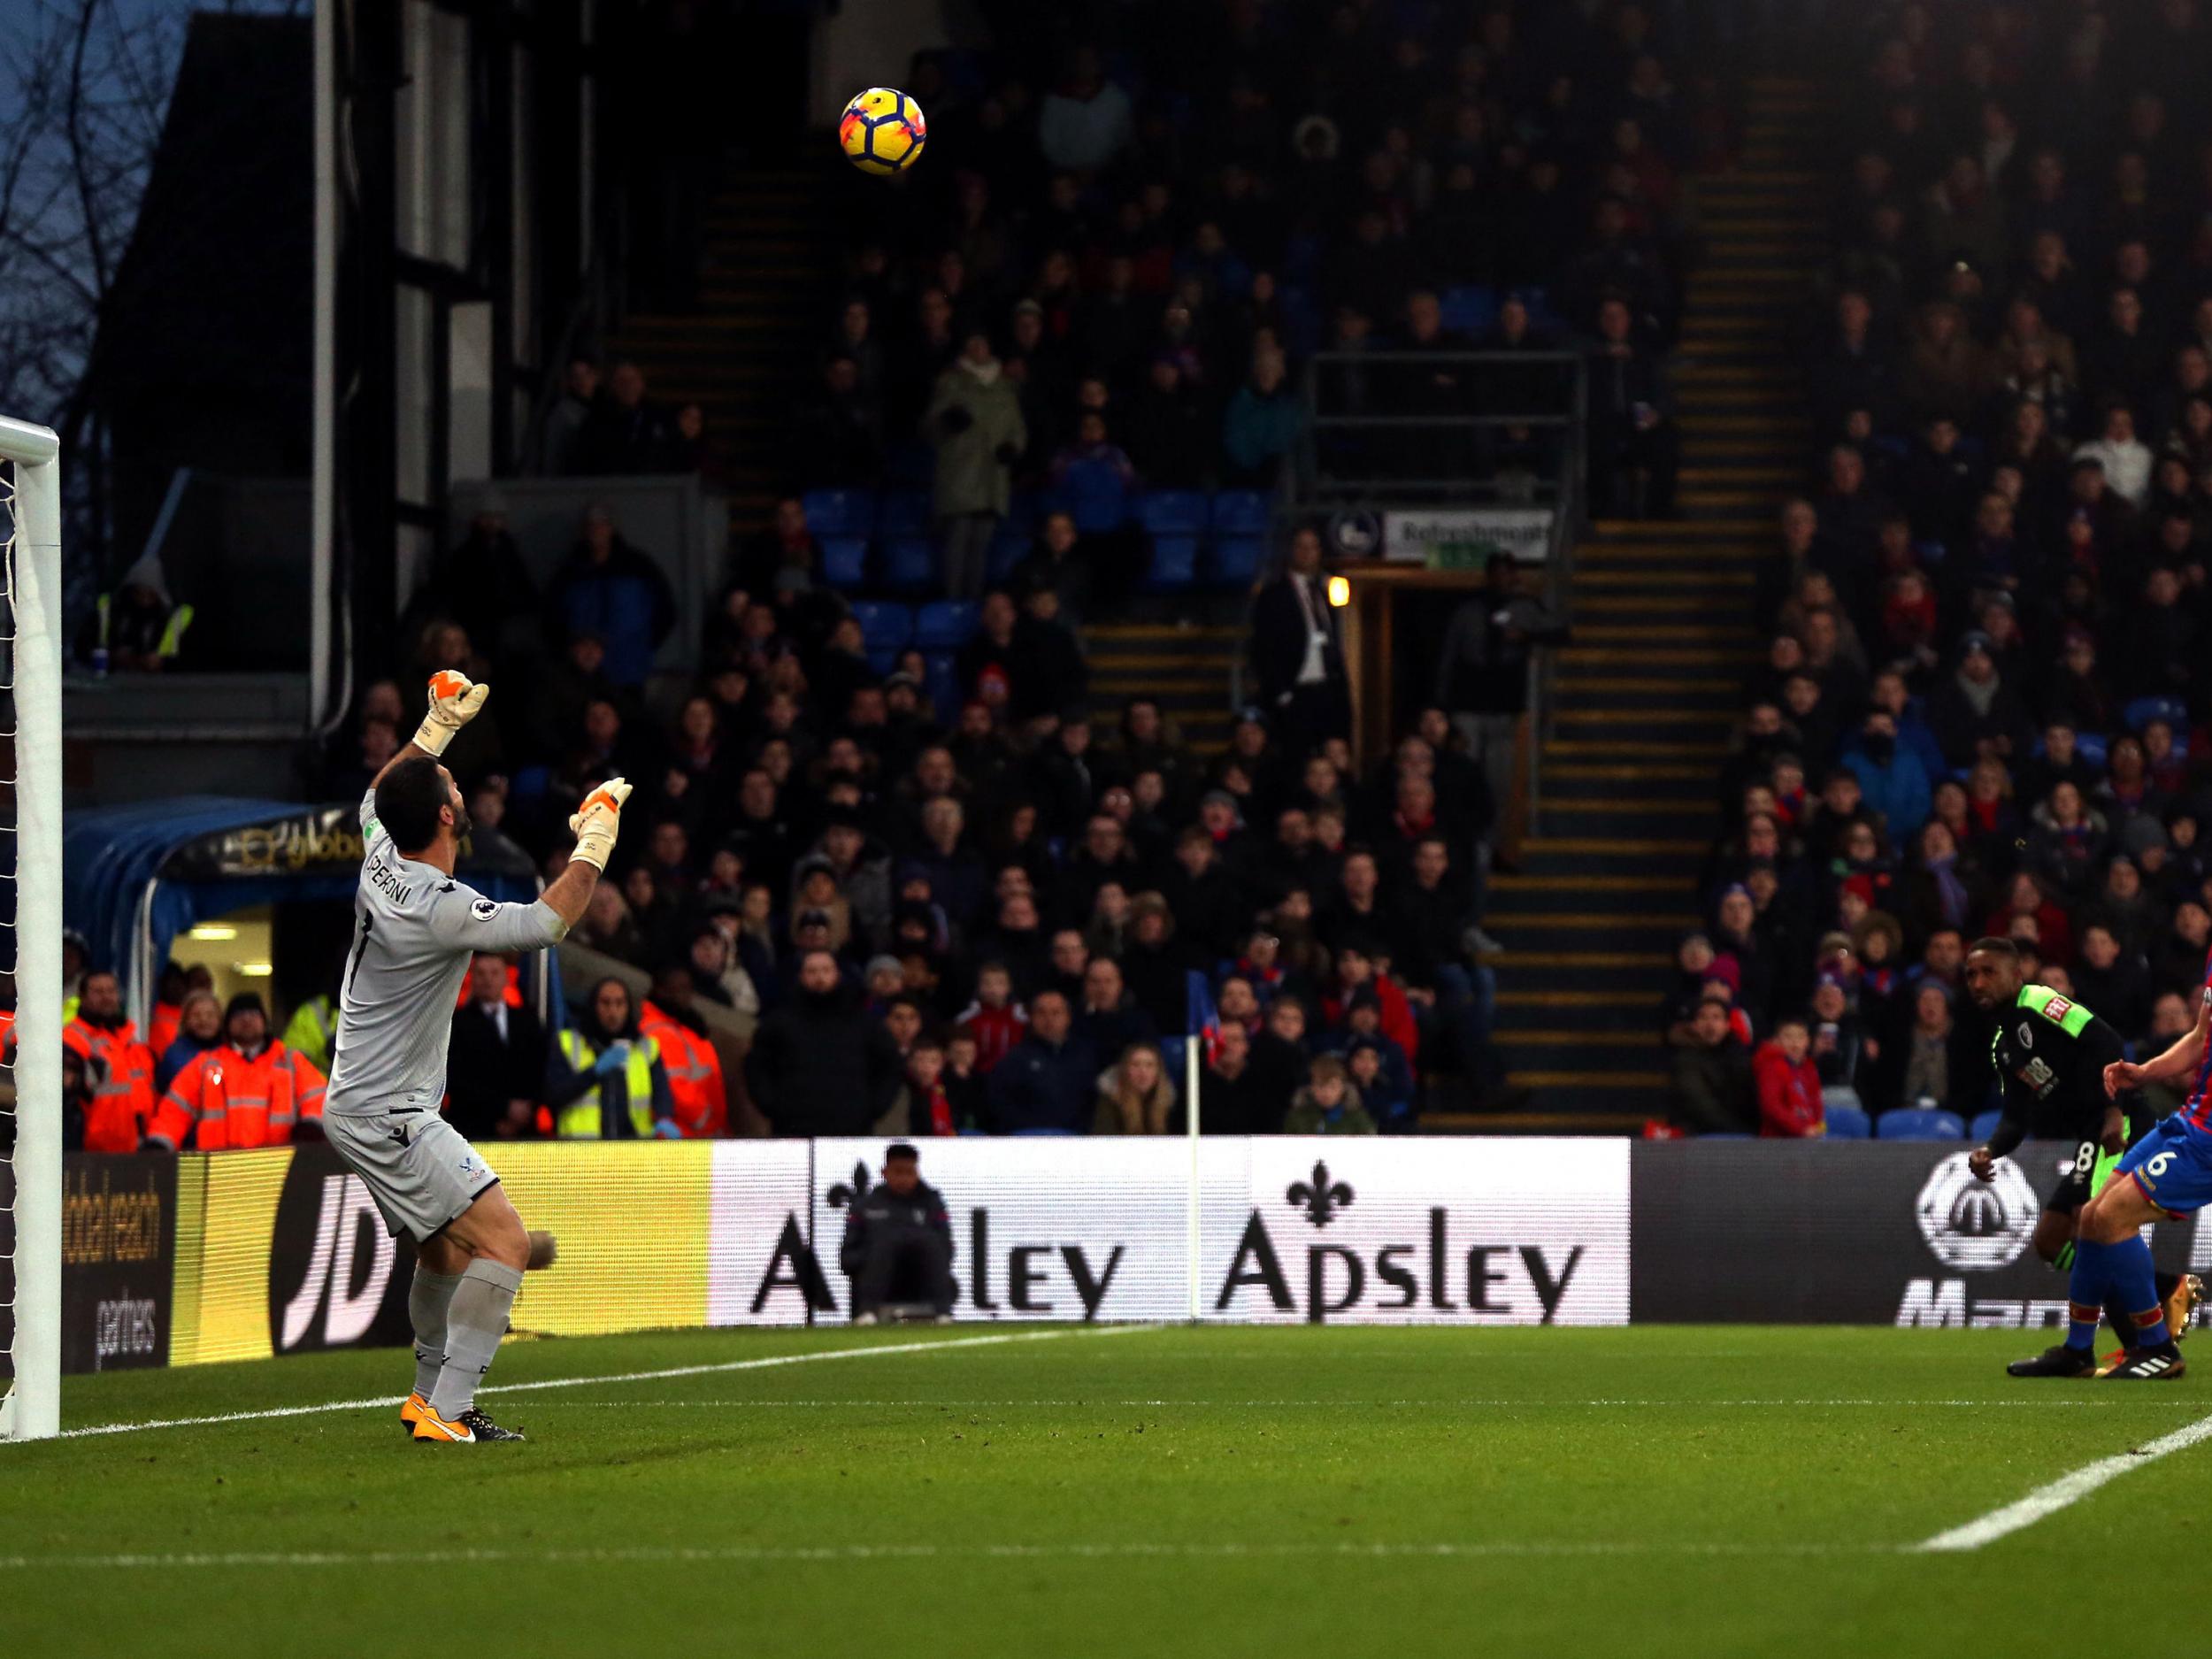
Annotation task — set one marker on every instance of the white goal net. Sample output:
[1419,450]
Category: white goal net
[31,1112]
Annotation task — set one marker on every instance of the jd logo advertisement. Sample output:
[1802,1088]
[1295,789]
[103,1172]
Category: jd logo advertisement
[336,1278]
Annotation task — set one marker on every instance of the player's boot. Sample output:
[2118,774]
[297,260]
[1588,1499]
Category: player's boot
[2056,1361]
[411,1411]
[2162,1363]
[2181,1307]
[467,1428]
[484,1429]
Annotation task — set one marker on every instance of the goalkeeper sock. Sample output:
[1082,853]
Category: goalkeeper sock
[475,1321]
[426,1301]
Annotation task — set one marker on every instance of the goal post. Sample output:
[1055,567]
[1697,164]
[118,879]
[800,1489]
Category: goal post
[30,691]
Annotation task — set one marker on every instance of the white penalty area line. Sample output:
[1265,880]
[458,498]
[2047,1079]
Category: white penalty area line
[840,1554]
[2065,1491]
[763,1363]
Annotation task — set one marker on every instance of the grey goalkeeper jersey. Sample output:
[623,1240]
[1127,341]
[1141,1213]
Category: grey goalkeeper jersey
[414,930]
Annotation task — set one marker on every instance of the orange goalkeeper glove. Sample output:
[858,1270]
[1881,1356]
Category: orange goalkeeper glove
[454,701]
[597,822]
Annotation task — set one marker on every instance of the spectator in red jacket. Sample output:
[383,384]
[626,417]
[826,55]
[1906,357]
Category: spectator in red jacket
[995,1020]
[1354,968]
[1787,1081]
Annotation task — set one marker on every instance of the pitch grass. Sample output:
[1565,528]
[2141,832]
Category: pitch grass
[1214,1491]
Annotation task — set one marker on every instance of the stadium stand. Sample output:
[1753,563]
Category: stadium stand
[1975,708]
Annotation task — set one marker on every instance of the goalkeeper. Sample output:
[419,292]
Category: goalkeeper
[417,930]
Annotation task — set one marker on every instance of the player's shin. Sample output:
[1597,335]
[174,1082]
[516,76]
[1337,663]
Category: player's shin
[475,1320]
[2086,1288]
[428,1300]
[2134,1284]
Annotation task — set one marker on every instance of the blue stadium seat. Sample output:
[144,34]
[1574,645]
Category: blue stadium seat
[1910,1122]
[2093,748]
[1469,308]
[1173,513]
[1235,561]
[1092,494]
[909,564]
[1173,1057]
[2143,710]
[1984,1125]
[1242,512]
[1174,565]
[903,513]
[884,626]
[942,682]
[944,625]
[1009,546]
[845,562]
[1849,1123]
[840,512]
[881,662]
[910,465]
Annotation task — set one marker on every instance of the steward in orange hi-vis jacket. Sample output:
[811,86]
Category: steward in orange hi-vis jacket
[696,1090]
[249,1091]
[118,1068]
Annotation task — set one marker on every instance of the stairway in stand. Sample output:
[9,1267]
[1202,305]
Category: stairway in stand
[1650,688]
[1186,667]
[745,352]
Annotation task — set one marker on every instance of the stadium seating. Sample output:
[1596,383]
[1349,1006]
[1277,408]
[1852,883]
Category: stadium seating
[1849,1123]
[884,627]
[1236,561]
[1009,546]
[903,513]
[1093,494]
[942,681]
[1913,1123]
[1984,1125]
[944,625]
[1242,512]
[909,565]
[1174,567]
[1174,1056]
[2143,710]
[845,562]
[841,512]
[1179,512]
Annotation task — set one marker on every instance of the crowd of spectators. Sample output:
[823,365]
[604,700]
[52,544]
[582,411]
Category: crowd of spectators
[1980,709]
[979,918]
[1117,260]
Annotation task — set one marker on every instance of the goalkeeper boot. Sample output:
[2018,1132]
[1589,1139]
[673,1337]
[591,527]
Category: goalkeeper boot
[2057,1361]
[465,1429]
[411,1411]
[2160,1363]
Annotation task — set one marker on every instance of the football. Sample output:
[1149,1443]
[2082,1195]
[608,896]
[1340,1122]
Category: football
[882,131]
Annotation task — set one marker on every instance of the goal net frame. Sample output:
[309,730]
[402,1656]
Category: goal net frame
[30,636]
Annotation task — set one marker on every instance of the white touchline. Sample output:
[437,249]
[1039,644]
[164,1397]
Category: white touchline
[2066,1490]
[619,1376]
[748,1554]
